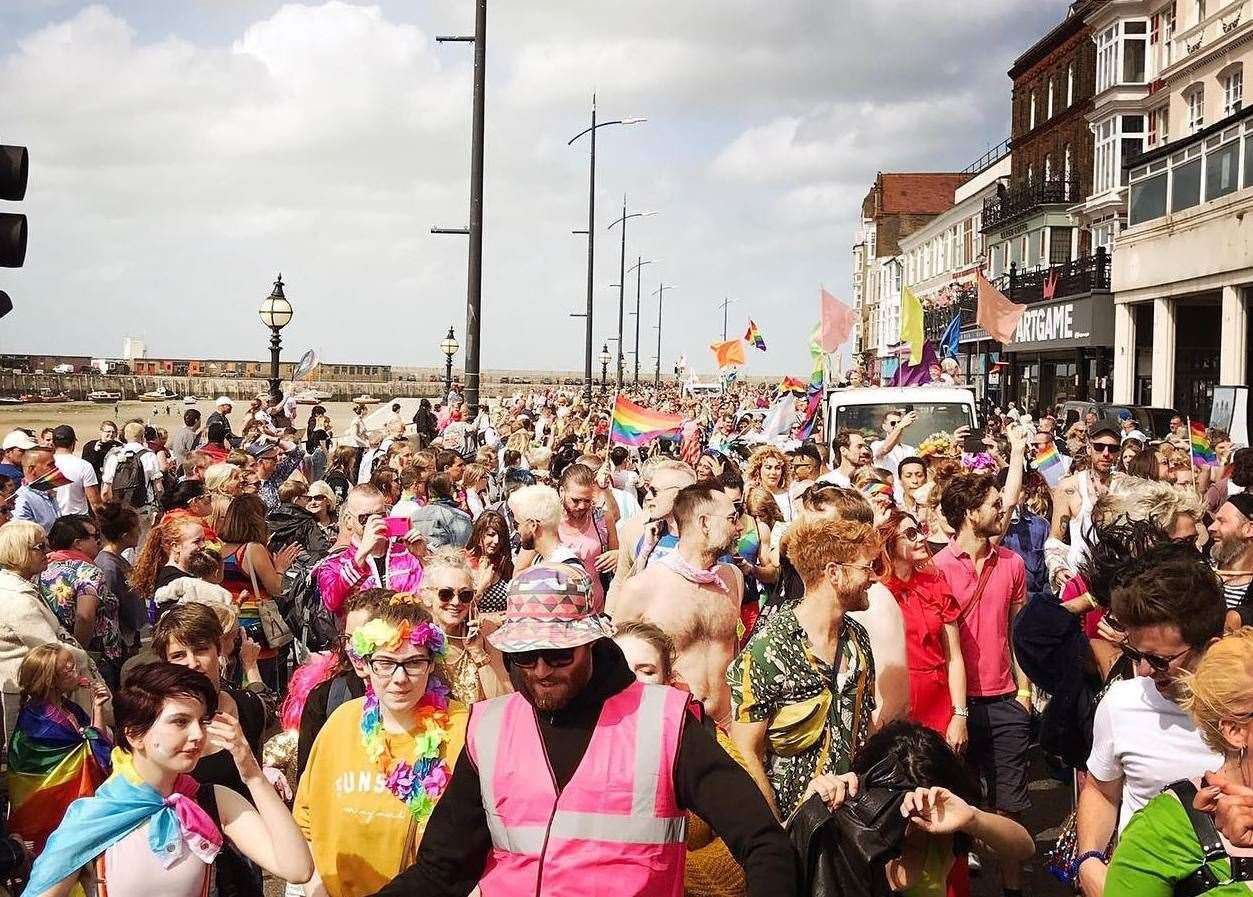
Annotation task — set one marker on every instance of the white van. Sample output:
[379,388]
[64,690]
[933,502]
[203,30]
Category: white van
[939,408]
[698,390]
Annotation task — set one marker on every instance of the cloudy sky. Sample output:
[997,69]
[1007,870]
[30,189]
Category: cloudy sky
[185,151]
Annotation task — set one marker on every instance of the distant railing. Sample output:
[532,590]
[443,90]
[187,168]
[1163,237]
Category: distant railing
[1012,203]
[988,159]
[1086,274]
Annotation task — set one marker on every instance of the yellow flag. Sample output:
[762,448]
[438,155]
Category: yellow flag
[911,324]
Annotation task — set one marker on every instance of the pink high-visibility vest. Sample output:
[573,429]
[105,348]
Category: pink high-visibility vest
[615,829]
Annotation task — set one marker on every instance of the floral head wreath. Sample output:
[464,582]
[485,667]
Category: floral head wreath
[380,635]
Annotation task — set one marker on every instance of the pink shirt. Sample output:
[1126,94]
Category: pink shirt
[589,543]
[984,630]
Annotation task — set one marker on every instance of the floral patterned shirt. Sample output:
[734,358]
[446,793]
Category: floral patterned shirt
[777,668]
[64,582]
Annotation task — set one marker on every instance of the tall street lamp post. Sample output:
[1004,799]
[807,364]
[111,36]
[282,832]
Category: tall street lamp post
[276,313]
[660,293]
[604,364]
[622,276]
[449,346]
[591,237]
[640,262]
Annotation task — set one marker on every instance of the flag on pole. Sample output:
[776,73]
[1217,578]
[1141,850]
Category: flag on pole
[916,374]
[836,322]
[308,362]
[1049,463]
[911,324]
[1203,454]
[635,425]
[729,352]
[753,337]
[952,334]
[997,314]
[53,479]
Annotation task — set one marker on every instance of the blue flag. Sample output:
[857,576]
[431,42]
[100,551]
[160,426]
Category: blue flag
[948,342]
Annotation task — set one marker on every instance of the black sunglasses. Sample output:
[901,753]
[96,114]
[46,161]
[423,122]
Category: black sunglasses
[553,657]
[446,595]
[1104,448]
[1156,662]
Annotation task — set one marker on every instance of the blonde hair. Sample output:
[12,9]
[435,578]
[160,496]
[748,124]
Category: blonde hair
[448,559]
[37,676]
[538,458]
[322,488]
[752,475]
[1221,688]
[223,479]
[1135,498]
[538,503]
[18,539]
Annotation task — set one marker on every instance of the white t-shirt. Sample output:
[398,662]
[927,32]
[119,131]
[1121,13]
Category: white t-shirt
[72,499]
[837,477]
[892,460]
[147,460]
[1148,740]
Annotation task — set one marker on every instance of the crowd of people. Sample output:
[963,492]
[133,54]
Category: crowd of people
[499,651]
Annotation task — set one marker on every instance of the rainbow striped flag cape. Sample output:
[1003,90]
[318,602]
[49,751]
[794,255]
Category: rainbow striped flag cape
[1049,463]
[51,765]
[1202,450]
[753,337]
[634,425]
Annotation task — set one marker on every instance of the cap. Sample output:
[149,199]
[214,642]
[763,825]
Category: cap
[1242,502]
[222,400]
[1108,425]
[550,606]
[63,433]
[18,439]
[1124,415]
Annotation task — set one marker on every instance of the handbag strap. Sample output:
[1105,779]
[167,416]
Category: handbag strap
[984,576]
[252,570]
[1202,878]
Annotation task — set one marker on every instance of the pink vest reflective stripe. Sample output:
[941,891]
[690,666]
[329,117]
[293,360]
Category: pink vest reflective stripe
[615,827]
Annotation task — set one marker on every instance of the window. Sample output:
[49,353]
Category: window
[1030,175]
[1106,57]
[1168,36]
[1031,120]
[1185,179]
[1131,142]
[1066,163]
[968,241]
[1105,153]
[1222,164]
[1200,10]
[1059,245]
[1048,168]
[1195,101]
[1134,51]
[1070,84]
[1122,53]
[1248,160]
[1148,194]
[1233,91]
[1050,105]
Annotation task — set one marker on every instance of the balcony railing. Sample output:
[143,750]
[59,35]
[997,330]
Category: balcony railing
[1013,203]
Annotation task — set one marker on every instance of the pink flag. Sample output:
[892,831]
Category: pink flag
[997,314]
[837,322]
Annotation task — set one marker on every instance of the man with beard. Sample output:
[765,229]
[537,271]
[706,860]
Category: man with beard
[579,781]
[694,599]
[587,527]
[1232,554]
[1074,498]
[1170,605]
[850,453]
[990,585]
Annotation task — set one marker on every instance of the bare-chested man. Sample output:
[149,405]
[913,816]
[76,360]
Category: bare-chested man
[652,533]
[693,598]
[1073,500]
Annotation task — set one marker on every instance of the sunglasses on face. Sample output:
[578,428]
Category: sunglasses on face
[1104,448]
[446,595]
[653,491]
[1156,662]
[553,657]
[911,534]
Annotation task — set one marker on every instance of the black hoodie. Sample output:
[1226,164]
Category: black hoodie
[456,844]
[292,523]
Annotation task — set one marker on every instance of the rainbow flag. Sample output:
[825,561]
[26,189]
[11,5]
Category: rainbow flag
[53,479]
[1049,464]
[635,425]
[1202,450]
[753,336]
[52,764]
[792,384]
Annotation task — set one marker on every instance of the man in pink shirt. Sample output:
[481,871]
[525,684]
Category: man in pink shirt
[591,535]
[990,585]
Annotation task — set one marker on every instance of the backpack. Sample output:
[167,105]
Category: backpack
[130,480]
[302,604]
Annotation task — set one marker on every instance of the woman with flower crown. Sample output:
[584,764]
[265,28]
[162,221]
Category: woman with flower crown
[381,762]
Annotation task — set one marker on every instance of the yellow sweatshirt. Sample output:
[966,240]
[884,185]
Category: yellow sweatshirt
[356,828]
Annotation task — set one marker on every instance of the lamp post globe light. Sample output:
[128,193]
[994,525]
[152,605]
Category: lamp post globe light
[275,313]
[604,364]
[449,347]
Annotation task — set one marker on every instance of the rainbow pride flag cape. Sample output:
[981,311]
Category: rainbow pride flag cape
[1049,463]
[635,425]
[51,765]
[753,337]
[53,479]
[1202,450]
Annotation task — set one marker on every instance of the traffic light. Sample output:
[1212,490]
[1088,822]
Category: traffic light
[14,162]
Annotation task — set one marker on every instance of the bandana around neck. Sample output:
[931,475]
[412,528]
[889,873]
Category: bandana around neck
[675,562]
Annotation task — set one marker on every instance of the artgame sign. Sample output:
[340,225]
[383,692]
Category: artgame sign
[1065,324]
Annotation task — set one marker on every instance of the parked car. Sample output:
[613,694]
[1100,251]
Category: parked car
[1153,422]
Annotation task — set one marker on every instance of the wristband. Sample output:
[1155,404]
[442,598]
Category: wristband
[1024,693]
[963,712]
[1083,858]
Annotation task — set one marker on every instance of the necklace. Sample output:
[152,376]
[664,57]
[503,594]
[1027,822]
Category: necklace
[419,783]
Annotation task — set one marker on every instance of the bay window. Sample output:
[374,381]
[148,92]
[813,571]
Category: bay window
[1122,54]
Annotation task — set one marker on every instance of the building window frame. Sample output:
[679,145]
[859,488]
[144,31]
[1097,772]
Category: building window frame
[1049,108]
[1232,81]
[1031,113]
[1070,85]
[1194,102]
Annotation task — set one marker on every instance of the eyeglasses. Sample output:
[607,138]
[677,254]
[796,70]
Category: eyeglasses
[1156,662]
[653,491]
[1104,448]
[363,519]
[869,568]
[94,536]
[553,657]
[911,533]
[446,595]
[385,667]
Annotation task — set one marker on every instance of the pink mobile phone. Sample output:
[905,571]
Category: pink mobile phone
[398,527]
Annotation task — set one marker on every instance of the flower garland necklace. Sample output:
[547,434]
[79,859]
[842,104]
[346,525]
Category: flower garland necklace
[419,783]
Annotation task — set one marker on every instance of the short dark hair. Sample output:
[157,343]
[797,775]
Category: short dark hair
[446,459]
[67,530]
[921,756]
[963,494]
[116,520]
[191,417]
[690,499]
[440,485]
[1170,585]
[912,459]
[137,706]
[808,450]
[1112,549]
[843,439]
[618,454]
[183,493]
[1242,467]
[193,625]
[731,477]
